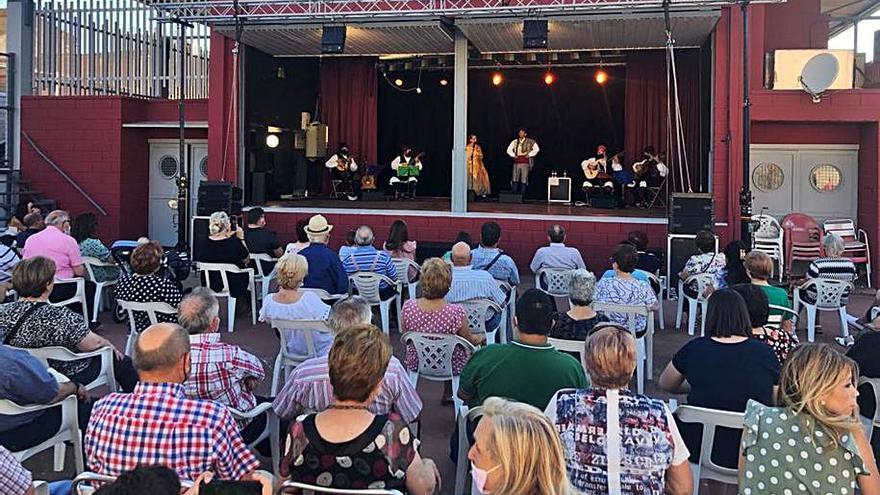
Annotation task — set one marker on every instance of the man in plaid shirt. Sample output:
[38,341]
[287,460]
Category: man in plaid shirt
[157,424]
[14,479]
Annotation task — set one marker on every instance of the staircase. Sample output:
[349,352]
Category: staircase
[13,189]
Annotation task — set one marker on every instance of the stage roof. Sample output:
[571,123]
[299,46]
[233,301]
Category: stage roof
[842,9]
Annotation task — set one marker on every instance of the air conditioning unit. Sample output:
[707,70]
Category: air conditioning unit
[788,66]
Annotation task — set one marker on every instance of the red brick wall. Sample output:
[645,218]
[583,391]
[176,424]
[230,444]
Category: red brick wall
[805,133]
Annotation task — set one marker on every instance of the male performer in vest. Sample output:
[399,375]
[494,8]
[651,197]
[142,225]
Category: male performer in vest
[405,185]
[523,150]
[343,168]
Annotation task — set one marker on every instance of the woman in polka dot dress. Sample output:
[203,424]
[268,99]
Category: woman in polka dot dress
[431,314]
[815,443]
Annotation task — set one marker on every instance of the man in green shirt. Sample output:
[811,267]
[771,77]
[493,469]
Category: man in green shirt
[526,370]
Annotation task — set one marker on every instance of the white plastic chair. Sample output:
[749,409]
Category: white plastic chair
[509,309]
[40,487]
[568,345]
[829,297]
[271,431]
[775,321]
[464,415]
[477,313]
[434,353]
[554,282]
[367,284]
[286,361]
[90,264]
[57,353]
[658,285]
[769,239]
[261,277]
[856,245]
[644,344]
[703,280]
[82,484]
[871,423]
[403,265]
[150,308]
[68,432]
[78,297]
[710,419]
[323,294]
[224,269]
[304,488]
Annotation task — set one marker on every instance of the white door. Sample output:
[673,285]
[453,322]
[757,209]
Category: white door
[198,174]
[771,177]
[164,170]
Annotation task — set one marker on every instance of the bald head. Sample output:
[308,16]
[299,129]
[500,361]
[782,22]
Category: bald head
[159,350]
[461,254]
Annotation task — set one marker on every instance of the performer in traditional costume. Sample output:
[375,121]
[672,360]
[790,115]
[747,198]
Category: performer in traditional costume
[478,177]
[343,168]
[407,168]
[597,177]
[523,150]
[648,173]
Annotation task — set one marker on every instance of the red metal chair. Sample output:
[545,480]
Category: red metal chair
[803,239]
[856,246]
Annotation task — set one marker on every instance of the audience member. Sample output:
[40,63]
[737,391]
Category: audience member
[291,303]
[144,480]
[348,246]
[144,285]
[528,369]
[734,271]
[399,245]
[779,340]
[557,255]
[864,352]
[325,268]
[54,242]
[26,381]
[257,238]
[468,283]
[33,223]
[431,314]
[16,479]
[302,239]
[157,424]
[227,246]
[488,256]
[832,266]
[710,370]
[759,268]
[84,232]
[24,207]
[309,388]
[331,447]
[8,259]
[516,451]
[649,260]
[31,322]
[461,237]
[652,457]
[623,288]
[578,322]
[707,260]
[814,443]
[366,258]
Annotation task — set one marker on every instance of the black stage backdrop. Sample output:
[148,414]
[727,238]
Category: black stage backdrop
[568,119]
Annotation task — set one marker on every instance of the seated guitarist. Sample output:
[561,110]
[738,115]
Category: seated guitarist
[407,168]
[596,174]
[343,168]
[649,172]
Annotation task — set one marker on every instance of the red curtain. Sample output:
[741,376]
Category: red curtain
[348,105]
[646,110]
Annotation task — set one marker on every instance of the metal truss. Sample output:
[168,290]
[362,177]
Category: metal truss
[270,11]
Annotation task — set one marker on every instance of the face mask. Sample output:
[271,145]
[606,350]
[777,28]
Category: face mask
[480,476]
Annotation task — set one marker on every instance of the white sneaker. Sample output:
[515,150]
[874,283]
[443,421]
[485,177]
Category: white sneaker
[847,341]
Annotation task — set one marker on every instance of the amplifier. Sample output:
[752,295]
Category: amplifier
[690,213]
[559,189]
[218,196]
[509,197]
[679,247]
[372,195]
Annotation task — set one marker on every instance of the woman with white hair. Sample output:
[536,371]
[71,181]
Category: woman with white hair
[578,322]
[835,267]
[227,246]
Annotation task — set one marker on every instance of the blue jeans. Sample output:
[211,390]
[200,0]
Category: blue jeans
[60,487]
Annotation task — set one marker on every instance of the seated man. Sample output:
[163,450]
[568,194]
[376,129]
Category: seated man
[33,223]
[407,168]
[366,258]
[26,381]
[344,169]
[258,239]
[308,387]
[157,424]
[502,370]
[325,268]
[491,258]
[557,255]
[469,283]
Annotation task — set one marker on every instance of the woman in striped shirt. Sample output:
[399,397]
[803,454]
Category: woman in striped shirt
[835,267]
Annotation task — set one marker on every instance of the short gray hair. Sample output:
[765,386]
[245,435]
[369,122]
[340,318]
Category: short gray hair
[56,218]
[581,287]
[348,312]
[833,244]
[322,238]
[363,236]
[198,310]
[164,356]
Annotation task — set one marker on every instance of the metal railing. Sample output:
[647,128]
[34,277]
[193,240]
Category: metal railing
[116,47]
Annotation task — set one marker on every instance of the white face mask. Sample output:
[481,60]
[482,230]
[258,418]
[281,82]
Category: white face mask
[481,476]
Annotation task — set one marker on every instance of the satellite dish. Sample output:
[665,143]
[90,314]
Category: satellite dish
[819,74]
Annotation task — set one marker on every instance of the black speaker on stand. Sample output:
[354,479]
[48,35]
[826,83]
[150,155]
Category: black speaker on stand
[218,196]
[688,213]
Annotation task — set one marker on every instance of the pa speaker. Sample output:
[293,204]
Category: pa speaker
[333,39]
[690,213]
[534,33]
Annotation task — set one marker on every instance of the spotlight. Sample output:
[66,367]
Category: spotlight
[418,90]
[444,82]
[549,78]
[272,140]
[601,76]
[398,82]
[497,79]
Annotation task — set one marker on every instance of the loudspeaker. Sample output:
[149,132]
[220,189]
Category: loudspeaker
[509,197]
[372,195]
[333,39]
[603,201]
[218,196]
[534,33]
[690,213]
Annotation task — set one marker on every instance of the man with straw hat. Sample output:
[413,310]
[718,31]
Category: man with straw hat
[325,268]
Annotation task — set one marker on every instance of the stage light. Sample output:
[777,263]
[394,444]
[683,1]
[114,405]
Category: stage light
[601,76]
[398,82]
[418,90]
[272,141]
[497,79]
[549,78]
[444,82]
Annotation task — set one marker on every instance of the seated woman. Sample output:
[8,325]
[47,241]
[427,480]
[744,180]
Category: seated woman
[290,303]
[399,245]
[516,451]
[84,230]
[348,447]
[706,261]
[31,322]
[833,266]
[814,443]
[759,268]
[781,341]
[431,314]
[578,322]
[652,455]
[302,238]
[623,288]
[710,370]
[226,246]
[144,285]
[347,246]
